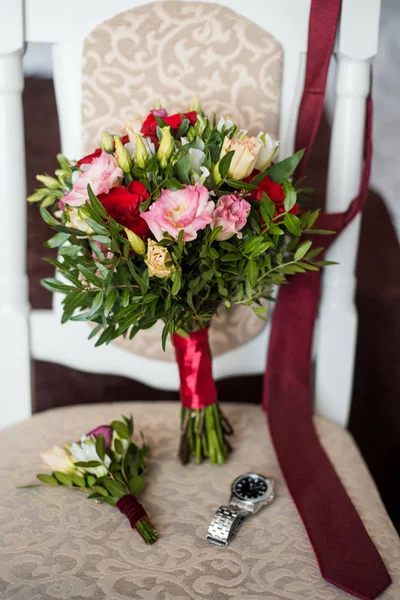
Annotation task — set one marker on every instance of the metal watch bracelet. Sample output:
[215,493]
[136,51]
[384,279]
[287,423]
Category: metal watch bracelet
[224,525]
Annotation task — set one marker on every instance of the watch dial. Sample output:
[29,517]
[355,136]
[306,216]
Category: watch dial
[250,487]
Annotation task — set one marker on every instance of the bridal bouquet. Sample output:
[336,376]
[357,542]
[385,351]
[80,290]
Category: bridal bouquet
[177,216]
[107,465]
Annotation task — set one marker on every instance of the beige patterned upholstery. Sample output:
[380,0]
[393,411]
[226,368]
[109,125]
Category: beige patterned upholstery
[57,545]
[170,51]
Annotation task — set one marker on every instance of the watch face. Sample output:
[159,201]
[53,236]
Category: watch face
[251,487]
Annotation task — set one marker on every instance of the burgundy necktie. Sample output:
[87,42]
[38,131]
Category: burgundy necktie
[345,553]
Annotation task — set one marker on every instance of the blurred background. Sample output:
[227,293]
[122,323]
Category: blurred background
[375,415]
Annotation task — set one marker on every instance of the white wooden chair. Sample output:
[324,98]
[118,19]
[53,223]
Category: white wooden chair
[58,544]
[39,334]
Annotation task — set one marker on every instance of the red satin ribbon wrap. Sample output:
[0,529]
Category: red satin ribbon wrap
[193,356]
[132,509]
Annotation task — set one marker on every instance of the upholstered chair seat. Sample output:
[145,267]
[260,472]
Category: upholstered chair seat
[56,544]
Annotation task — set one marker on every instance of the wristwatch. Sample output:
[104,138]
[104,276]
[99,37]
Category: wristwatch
[249,494]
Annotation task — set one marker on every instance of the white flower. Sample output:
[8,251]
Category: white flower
[224,123]
[246,152]
[267,151]
[85,451]
[133,127]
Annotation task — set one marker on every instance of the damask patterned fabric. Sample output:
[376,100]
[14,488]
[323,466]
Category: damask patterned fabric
[170,51]
[57,545]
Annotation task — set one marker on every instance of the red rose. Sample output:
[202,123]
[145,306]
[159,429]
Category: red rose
[86,160]
[150,124]
[275,192]
[122,204]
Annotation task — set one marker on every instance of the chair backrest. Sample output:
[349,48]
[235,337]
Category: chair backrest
[66,26]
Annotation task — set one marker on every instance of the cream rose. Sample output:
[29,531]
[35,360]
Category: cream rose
[157,256]
[243,161]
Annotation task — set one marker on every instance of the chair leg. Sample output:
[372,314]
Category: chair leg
[15,377]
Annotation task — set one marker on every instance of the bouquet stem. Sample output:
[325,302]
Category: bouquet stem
[147,530]
[204,434]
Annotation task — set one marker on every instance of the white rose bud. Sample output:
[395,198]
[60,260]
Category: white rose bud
[267,152]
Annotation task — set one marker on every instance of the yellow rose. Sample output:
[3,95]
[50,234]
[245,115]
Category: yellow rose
[246,151]
[157,256]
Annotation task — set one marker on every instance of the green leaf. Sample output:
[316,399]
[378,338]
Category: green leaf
[90,464]
[119,449]
[225,163]
[70,250]
[96,305]
[47,479]
[183,127]
[48,218]
[252,272]
[268,204]
[78,480]
[57,240]
[290,195]
[285,168]
[215,233]
[100,229]
[53,284]
[273,229]
[230,257]
[176,286]
[96,204]
[164,335]
[63,478]
[91,480]
[182,168]
[110,301]
[116,488]
[292,224]
[240,185]
[180,240]
[125,297]
[121,429]
[100,446]
[103,239]
[172,184]
[136,485]
[100,490]
[213,253]
[90,276]
[302,250]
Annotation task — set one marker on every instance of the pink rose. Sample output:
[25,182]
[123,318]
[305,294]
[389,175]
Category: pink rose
[231,213]
[189,209]
[103,173]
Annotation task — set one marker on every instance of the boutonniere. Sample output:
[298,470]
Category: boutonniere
[107,465]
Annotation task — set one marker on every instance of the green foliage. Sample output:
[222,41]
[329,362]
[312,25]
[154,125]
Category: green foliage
[105,282]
